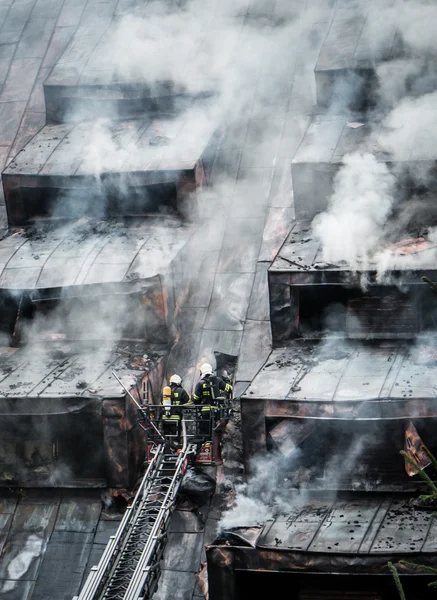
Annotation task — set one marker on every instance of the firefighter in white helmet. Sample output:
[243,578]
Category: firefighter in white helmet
[173,398]
[207,394]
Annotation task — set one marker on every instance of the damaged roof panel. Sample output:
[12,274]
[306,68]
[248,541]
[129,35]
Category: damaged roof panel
[351,371]
[301,256]
[65,150]
[71,370]
[344,526]
[97,252]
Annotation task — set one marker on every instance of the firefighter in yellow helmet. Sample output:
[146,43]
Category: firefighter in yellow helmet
[207,394]
[173,398]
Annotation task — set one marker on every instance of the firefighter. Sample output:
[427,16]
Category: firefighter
[173,398]
[207,395]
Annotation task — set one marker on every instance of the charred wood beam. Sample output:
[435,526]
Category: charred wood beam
[284,309]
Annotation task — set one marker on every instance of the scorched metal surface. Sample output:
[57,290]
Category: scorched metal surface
[67,422]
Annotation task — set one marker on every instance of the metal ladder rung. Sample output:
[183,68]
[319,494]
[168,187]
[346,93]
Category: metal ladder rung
[132,569]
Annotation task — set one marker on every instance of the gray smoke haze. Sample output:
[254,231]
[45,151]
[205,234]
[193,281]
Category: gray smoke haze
[278,485]
[264,494]
[353,226]
[364,214]
[239,66]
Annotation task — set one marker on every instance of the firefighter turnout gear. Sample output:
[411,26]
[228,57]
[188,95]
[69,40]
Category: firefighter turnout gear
[209,393]
[173,398]
[209,389]
[166,401]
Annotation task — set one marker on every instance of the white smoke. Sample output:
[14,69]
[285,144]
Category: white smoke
[409,128]
[357,223]
[353,226]
[278,485]
[262,496]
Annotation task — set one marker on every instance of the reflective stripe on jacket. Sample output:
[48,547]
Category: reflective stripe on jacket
[179,397]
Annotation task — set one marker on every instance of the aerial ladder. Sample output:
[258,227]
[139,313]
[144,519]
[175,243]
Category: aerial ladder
[129,568]
[130,565]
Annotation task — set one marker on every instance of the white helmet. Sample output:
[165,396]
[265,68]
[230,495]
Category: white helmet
[205,369]
[176,379]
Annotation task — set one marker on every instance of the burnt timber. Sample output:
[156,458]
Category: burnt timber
[56,376]
[81,427]
[302,286]
[349,382]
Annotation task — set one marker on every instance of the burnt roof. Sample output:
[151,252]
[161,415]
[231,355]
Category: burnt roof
[361,525]
[344,534]
[351,379]
[302,253]
[328,138]
[64,370]
[151,148]
[87,253]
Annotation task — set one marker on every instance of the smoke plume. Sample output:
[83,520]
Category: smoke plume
[353,226]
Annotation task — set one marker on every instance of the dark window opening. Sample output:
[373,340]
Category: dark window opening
[382,312]
[51,450]
[252,585]
[363,455]
[109,199]
[88,317]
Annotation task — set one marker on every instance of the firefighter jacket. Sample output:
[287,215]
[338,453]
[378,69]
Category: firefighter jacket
[208,389]
[179,397]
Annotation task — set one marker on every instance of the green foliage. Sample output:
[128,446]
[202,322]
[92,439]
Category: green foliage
[431,456]
[431,283]
[397,580]
[426,498]
[424,568]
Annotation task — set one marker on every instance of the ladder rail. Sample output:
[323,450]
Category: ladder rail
[113,548]
[129,567]
[157,535]
[139,578]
